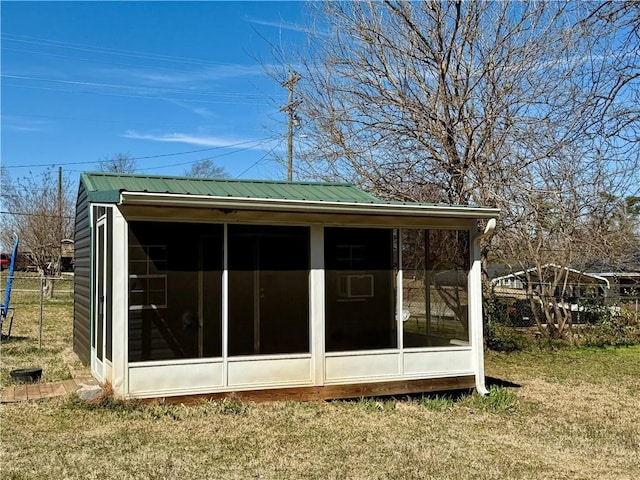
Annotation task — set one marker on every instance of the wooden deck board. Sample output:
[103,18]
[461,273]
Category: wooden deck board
[46,390]
[33,391]
[58,389]
[9,395]
[332,392]
[70,386]
[20,393]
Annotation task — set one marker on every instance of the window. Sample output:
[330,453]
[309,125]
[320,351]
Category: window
[355,286]
[147,276]
[359,289]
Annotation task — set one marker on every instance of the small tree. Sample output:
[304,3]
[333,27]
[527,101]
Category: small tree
[205,169]
[40,211]
[119,163]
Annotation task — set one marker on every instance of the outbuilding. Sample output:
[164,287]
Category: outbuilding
[270,289]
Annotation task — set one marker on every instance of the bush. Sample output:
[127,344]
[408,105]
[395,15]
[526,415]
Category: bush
[503,338]
[595,324]
[617,331]
[500,334]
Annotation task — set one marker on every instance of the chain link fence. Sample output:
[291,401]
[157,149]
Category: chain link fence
[518,310]
[30,287]
[587,320]
[36,300]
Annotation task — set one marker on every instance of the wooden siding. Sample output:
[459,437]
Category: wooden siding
[82,279]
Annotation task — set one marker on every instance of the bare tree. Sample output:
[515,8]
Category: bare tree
[205,169]
[575,207]
[119,163]
[41,215]
[433,100]
[616,26]
[486,103]
[562,224]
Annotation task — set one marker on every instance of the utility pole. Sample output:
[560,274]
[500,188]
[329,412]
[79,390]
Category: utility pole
[59,220]
[290,107]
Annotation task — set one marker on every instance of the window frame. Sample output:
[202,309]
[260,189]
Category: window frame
[147,277]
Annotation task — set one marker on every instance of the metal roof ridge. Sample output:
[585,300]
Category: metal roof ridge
[435,204]
[219,180]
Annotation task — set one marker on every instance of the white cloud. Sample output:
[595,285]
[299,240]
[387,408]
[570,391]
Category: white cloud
[200,140]
[203,112]
[185,78]
[23,124]
[282,25]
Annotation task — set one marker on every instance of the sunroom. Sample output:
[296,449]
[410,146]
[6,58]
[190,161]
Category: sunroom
[274,289]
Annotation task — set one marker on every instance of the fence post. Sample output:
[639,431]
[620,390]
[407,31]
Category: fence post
[41,308]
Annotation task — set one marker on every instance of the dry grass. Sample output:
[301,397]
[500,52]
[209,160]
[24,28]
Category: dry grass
[574,415]
[24,349]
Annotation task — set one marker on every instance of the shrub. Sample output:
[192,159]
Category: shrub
[616,330]
[503,338]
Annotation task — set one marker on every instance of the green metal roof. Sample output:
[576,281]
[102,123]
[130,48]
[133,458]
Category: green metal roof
[106,187]
[306,197]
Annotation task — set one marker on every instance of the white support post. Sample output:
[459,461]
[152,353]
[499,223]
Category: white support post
[225,306]
[316,305]
[475,307]
[120,309]
[400,302]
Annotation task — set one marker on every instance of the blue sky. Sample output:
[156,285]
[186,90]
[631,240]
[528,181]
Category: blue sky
[83,81]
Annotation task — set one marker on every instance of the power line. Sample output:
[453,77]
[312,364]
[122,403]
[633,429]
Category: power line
[128,65]
[96,120]
[149,67]
[93,60]
[107,50]
[24,214]
[134,87]
[148,97]
[211,158]
[256,143]
[260,159]
[207,158]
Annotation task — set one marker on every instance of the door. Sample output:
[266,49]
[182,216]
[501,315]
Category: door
[100,301]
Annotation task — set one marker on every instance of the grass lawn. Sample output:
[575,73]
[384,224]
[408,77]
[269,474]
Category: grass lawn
[574,414]
[24,349]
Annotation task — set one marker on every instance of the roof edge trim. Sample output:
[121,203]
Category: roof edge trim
[310,206]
